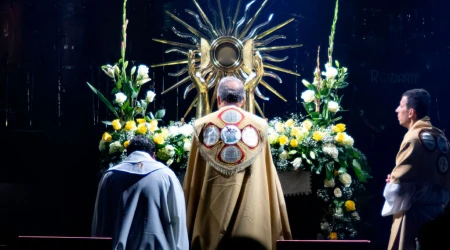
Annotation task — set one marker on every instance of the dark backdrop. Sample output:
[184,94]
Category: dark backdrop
[50,122]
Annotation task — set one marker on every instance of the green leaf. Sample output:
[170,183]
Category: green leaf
[312,87]
[107,122]
[337,63]
[133,70]
[292,152]
[315,115]
[358,171]
[330,170]
[312,155]
[125,65]
[160,114]
[152,117]
[104,100]
[119,84]
[336,119]
[114,90]
[342,85]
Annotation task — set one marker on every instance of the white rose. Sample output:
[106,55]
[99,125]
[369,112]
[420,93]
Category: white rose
[297,163]
[169,162]
[173,130]
[348,140]
[170,150]
[142,71]
[329,183]
[120,98]
[331,72]
[150,96]
[337,192]
[187,146]
[186,130]
[308,96]
[284,155]
[333,106]
[346,179]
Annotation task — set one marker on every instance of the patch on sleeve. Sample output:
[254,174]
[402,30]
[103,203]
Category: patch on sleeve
[442,164]
[443,144]
[427,139]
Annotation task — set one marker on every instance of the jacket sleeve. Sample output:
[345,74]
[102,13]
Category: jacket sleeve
[177,213]
[98,219]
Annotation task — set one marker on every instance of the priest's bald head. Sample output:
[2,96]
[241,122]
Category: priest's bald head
[231,91]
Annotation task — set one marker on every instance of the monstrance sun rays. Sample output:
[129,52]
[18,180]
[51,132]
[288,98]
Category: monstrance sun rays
[226,47]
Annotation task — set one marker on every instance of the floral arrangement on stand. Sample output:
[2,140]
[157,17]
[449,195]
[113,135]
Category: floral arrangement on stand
[317,143]
[131,116]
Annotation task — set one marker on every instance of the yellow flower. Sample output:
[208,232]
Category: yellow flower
[317,136]
[336,173]
[289,123]
[116,124]
[350,205]
[279,127]
[307,124]
[106,137]
[130,125]
[142,128]
[158,139]
[125,144]
[140,120]
[153,125]
[339,128]
[295,131]
[294,143]
[333,236]
[283,140]
[165,133]
[339,137]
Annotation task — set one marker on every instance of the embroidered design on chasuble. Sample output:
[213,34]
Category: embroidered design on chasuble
[229,143]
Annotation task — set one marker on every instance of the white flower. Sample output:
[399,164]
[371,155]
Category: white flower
[331,150]
[109,71]
[150,96]
[142,71]
[116,147]
[346,179]
[284,155]
[120,98]
[333,106]
[338,212]
[356,215]
[308,95]
[306,83]
[187,146]
[330,73]
[279,127]
[273,138]
[173,131]
[169,150]
[329,183]
[348,140]
[337,192]
[169,162]
[302,134]
[324,226]
[297,163]
[186,130]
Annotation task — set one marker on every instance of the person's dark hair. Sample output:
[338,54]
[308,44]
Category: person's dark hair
[141,143]
[419,100]
[231,94]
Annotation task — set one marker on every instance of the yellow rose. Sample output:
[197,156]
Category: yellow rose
[165,133]
[295,131]
[307,124]
[142,128]
[339,137]
[158,139]
[283,140]
[289,123]
[153,125]
[333,236]
[126,143]
[140,120]
[116,124]
[130,125]
[339,128]
[317,136]
[106,137]
[294,143]
[350,205]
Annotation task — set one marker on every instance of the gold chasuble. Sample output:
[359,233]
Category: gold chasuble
[231,184]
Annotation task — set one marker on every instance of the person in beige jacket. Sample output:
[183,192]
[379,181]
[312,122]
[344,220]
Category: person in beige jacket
[231,184]
[417,190]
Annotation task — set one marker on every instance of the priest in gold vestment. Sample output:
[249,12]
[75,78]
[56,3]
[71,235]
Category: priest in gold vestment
[231,184]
